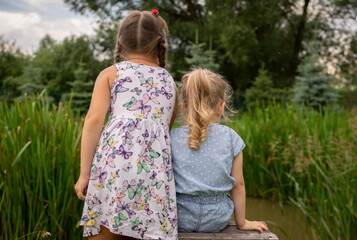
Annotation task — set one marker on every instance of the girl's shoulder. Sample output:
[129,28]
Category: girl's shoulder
[222,130]
[108,74]
[215,127]
[143,69]
[226,136]
[111,70]
[236,140]
[123,65]
[214,130]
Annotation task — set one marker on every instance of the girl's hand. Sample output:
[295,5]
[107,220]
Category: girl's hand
[253,225]
[80,186]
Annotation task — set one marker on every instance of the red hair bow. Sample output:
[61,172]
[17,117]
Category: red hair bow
[155,12]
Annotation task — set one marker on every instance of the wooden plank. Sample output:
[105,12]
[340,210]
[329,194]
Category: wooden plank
[230,232]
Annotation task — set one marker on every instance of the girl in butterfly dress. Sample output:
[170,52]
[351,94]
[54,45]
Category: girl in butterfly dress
[126,167]
[207,159]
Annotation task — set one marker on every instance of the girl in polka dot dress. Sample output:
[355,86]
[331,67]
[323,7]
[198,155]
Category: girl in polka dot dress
[126,166]
[207,159]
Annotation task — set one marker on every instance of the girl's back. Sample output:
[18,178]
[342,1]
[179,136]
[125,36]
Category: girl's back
[141,92]
[207,159]
[126,166]
[206,171]
[129,191]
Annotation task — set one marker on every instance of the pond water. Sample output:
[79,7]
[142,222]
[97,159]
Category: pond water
[293,223]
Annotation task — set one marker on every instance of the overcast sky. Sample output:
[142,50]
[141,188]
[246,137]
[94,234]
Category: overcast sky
[28,21]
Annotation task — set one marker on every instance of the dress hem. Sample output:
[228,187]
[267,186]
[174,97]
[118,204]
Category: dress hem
[97,228]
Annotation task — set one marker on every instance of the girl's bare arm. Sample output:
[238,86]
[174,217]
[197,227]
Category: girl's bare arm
[93,126]
[238,197]
[238,191]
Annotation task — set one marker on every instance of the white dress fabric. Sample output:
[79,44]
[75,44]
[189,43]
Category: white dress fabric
[131,189]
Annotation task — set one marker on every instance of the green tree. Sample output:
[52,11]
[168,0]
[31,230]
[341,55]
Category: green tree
[33,84]
[261,91]
[348,65]
[245,33]
[105,38]
[313,85]
[47,42]
[12,64]
[348,76]
[81,90]
[201,57]
[59,62]
[54,66]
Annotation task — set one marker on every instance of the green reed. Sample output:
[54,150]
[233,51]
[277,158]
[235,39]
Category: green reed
[307,158]
[39,163]
[304,157]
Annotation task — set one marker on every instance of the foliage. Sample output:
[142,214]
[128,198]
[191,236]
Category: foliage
[81,90]
[348,65]
[347,98]
[32,84]
[105,38]
[304,157]
[313,86]
[262,90]
[39,162]
[47,42]
[201,57]
[12,63]
[54,65]
[242,40]
[11,59]
[296,155]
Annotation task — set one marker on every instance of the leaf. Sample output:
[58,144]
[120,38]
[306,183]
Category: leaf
[20,153]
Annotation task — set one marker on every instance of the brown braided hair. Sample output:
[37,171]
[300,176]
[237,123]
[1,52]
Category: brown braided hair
[161,52]
[142,32]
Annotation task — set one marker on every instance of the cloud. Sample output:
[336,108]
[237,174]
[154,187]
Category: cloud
[17,21]
[38,2]
[60,28]
[27,26]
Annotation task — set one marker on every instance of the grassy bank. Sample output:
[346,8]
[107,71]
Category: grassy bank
[303,157]
[39,161]
[306,158]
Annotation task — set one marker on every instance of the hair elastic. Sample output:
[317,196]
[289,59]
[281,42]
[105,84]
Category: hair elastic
[155,12]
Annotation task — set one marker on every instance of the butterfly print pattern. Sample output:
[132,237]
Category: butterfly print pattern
[131,189]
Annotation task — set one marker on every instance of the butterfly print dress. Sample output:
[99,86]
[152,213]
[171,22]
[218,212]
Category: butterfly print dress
[131,189]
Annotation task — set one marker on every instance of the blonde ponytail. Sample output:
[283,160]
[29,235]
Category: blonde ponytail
[202,92]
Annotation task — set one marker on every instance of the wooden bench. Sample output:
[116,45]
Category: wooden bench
[230,232]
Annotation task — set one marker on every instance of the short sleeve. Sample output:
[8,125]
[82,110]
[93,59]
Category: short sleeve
[237,143]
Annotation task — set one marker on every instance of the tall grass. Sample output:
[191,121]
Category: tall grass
[304,157]
[307,158]
[39,162]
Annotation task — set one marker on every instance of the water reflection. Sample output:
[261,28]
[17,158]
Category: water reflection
[293,223]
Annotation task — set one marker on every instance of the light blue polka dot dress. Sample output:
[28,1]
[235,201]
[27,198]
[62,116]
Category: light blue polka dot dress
[203,178]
